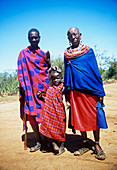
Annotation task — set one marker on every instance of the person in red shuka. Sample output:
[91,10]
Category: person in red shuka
[53,120]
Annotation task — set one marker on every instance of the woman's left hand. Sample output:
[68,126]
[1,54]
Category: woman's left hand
[101,99]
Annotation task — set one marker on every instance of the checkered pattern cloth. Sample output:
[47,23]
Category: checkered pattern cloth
[53,120]
[33,76]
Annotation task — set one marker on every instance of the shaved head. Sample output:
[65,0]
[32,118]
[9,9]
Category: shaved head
[33,30]
[74,36]
[72,29]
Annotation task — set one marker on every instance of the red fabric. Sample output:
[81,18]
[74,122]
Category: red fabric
[83,111]
[33,76]
[32,120]
[53,120]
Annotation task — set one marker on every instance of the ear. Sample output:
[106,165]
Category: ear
[29,40]
[68,39]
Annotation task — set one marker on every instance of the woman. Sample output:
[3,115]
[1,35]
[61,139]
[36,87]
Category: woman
[84,85]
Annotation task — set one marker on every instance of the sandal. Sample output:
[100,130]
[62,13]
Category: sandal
[35,148]
[55,147]
[99,154]
[60,151]
[81,151]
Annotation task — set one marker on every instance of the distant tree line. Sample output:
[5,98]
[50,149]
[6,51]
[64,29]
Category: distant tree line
[107,66]
[8,83]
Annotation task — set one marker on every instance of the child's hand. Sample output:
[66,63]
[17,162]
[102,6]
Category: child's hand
[39,94]
[63,89]
[68,105]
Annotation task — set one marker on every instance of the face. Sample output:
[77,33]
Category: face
[74,36]
[34,39]
[56,78]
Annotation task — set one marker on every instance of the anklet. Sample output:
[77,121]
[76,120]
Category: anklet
[38,144]
[85,141]
[97,142]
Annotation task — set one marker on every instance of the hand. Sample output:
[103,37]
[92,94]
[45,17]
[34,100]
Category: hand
[68,105]
[63,89]
[101,99]
[22,91]
[39,94]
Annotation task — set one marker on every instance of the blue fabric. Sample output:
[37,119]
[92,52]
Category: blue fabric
[101,116]
[82,74]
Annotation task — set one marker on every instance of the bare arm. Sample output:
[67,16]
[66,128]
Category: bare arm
[48,59]
[67,97]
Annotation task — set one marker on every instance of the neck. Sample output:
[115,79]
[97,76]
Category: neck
[75,46]
[35,47]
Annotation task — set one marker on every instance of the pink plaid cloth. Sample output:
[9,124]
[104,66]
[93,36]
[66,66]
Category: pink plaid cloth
[53,120]
[33,76]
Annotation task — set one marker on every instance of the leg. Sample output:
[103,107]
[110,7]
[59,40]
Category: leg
[84,137]
[96,134]
[25,140]
[99,152]
[55,146]
[85,147]
[36,132]
[46,147]
[35,128]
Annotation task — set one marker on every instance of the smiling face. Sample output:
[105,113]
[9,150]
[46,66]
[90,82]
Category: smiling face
[56,78]
[34,39]
[74,37]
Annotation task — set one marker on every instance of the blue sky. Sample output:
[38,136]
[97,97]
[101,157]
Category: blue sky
[96,20]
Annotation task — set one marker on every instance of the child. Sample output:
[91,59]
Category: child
[53,120]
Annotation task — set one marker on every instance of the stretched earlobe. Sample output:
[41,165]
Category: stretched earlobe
[70,44]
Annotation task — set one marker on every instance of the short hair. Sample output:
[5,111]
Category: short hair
[55,69]
[70,28]
[33,30]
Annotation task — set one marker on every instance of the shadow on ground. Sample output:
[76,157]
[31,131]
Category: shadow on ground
[73,142]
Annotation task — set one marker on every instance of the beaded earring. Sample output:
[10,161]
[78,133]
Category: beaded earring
[70,44]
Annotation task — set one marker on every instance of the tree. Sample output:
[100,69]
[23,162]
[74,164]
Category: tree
[8,82]
[113,70]
[107,64]
[60,63]
[103,59]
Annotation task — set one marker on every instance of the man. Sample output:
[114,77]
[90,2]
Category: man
[33,65]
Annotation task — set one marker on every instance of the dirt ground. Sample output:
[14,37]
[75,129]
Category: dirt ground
[14,157]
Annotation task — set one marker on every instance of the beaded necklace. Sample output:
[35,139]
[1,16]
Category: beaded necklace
[73,53]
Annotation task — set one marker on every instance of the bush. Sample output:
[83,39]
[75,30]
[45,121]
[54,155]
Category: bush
[8,83]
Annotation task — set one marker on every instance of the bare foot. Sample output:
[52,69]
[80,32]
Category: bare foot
[55,147]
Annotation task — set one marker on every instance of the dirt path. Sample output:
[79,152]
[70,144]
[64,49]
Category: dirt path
[14,157]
